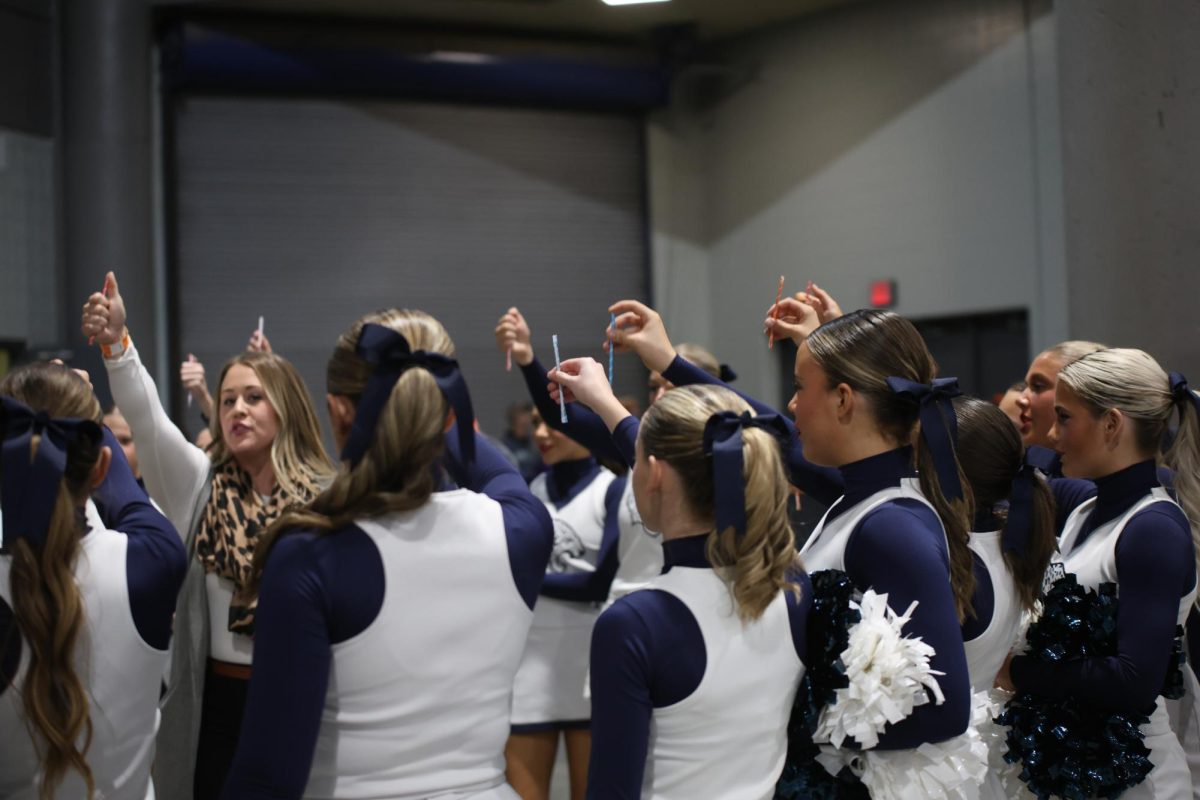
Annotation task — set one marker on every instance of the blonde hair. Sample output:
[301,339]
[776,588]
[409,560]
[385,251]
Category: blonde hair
[297,454]
[395,472]
[1072,350]
[701,356]
[756,563]
[863,349]
[47,603]
[1132,382]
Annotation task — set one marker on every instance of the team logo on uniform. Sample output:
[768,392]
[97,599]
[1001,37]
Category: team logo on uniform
[634,517]
[568,547]
[1055,571]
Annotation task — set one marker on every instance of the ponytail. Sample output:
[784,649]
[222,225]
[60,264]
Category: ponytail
[44,547]
[391,468]
[1183,457]
[752,547]
[991,455]
[955,515]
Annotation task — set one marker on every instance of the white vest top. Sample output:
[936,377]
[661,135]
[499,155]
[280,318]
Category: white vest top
[986,652]
[418,703]
[640,550]
[826,547]
[728,739]
[578,533]
[121,673]
[1095,561]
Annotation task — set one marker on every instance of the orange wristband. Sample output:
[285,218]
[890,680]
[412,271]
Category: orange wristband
[115,350]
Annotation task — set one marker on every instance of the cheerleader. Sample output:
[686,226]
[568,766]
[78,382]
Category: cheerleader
[85,614]
[693,678]
[1011,540]
[266,457]
[393,616]
[1112,409]
[583,499]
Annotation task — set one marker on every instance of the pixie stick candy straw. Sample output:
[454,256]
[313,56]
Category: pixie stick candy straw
[562,400]
[775,314]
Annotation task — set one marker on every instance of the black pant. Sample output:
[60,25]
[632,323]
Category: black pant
[220,723]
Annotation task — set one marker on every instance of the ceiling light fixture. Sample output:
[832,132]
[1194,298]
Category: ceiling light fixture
[630,2]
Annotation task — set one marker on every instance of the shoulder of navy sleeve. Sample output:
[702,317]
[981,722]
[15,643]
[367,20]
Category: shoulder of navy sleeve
[660,625]
[1160,537]
[798,609]
[529,531]
[895,527]
[350,569]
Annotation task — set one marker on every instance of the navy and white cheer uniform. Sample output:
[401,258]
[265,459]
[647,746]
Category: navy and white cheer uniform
[689,702]
[128,579]
[639,550]
[582,498]
[385,651]
[880,519]
[1134,535]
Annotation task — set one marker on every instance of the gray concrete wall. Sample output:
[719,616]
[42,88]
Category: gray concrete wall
[914,141]
[1130,88]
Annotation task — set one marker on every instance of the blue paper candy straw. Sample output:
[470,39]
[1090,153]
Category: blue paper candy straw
[562,401]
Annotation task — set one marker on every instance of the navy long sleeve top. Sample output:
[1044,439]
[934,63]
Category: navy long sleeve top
[564,482]
[648,653]
[321,590]
[1156,567]
[155,561]
[909,533]
[827,484]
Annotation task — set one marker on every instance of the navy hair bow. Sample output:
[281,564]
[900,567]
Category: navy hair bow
[389,353]
[1183,393]
[723,440]
[1020,511]
[939,427]
[726,374]
[30,483]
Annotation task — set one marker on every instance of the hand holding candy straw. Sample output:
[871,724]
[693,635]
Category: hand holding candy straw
[775,314]
[513,338]
[612,327]
[104,294]
[639,328]
[103,317]
[582,379]
[793,319]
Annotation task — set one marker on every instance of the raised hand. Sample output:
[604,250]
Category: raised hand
[259,343]
[512,333]
[822,302]
[641,329]
[584,379]
[104,314]
[191,375]
[791,319]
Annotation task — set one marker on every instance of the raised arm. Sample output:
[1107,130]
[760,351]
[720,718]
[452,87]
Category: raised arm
[175,469]
[155,561]
[582,425]
[527,523]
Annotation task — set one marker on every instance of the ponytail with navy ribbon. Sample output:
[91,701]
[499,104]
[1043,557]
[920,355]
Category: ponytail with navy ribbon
[939,427]
[1182,393]
[1019,523]
[723,441]
[390,356]
[29,482]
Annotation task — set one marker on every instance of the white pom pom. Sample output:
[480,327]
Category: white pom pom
[889,676]
[950,770]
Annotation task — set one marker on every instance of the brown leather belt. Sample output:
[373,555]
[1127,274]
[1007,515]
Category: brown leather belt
[228,670]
